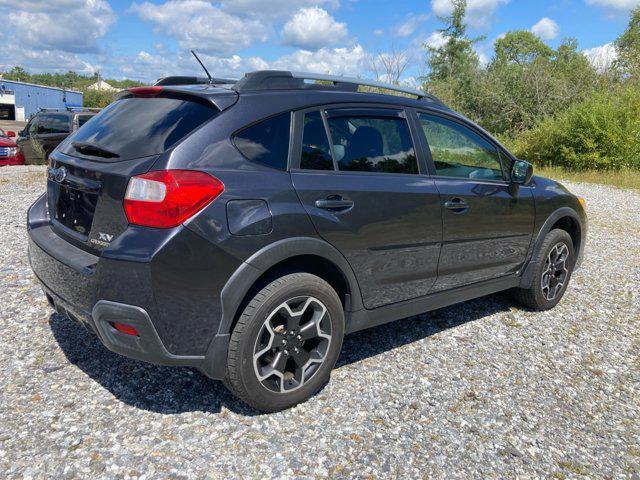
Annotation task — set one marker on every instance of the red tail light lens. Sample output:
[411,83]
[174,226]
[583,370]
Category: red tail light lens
[167,198]
[124,328]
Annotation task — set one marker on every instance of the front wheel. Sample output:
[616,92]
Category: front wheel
[286,342]
[553,267]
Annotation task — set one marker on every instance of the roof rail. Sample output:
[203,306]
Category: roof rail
[185,80]
[276,79]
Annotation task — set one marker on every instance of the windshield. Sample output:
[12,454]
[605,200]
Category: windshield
[139,127]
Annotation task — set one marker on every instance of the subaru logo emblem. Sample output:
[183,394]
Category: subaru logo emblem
[57,174]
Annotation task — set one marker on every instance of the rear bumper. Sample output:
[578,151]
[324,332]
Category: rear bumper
[147,345]
[177,323]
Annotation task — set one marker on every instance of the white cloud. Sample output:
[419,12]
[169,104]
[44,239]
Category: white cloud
[336,61]
[407,28]
[436,40]
[199,24]
[45,61]
[67,25]
[601,57]
[615,5]
[546,29]
[479,12]
[313,28]
[379,32]
[275,9]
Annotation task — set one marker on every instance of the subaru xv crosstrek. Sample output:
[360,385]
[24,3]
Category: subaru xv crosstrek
[244,228]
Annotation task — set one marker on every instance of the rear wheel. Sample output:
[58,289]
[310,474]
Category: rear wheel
[286,342]
[553,267]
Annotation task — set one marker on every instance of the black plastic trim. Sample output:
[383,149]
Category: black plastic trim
[527,276]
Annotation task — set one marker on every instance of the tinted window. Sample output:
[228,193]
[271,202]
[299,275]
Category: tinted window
[139,127]
[316,153]
[82,119]
[266,142]
[33,126]
[460,152]
[372,144]
[52,123]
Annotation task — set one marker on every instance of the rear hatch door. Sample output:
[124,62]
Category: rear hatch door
[89,172]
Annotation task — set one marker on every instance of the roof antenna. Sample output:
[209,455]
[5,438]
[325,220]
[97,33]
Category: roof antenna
[203,67]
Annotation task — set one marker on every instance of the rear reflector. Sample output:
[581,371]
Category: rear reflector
[126,329]
[167,198]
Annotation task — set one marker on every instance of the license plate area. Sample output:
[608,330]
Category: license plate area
[75,209]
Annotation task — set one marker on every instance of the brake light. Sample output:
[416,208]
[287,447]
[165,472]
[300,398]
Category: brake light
[145,91]
[167,198]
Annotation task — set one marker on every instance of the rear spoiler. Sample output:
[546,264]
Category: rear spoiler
[184,80]
[221,98]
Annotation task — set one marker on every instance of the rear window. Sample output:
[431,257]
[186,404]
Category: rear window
[53,123]
[139,127]
[266,142]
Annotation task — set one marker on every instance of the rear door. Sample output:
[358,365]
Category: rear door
[358,176]
[487,225]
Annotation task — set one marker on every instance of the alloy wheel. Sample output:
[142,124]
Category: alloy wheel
[292,344]
[555,272]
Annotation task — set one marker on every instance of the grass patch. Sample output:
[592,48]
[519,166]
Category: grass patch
[626,178]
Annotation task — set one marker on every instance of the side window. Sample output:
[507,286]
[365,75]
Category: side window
[460,152]
[82,119]
[266,142]
[373,144]
[316,153]
[53,124]
[33,127]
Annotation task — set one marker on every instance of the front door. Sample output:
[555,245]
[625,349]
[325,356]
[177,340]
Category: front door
[487,225]
[363,190]
[26,139]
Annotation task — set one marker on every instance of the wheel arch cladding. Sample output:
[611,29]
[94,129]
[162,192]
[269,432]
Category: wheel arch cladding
[286,256]
[564,218]
[572,227]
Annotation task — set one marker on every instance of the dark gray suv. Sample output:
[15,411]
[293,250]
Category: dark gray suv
[244,228]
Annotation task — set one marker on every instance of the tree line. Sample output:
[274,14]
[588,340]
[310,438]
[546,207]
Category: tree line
[549,106]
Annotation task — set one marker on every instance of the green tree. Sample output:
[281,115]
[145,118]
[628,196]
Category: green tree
[520,47]
[628,46]
[454,68]
[18,74]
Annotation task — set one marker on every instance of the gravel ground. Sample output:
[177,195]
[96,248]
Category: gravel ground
[482,389]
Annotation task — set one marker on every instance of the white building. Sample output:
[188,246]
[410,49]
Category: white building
[102,86]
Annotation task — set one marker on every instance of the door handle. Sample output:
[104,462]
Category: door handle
[457,205]
[335,203]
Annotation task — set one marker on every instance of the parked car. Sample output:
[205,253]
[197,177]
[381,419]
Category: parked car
[10,154]
[244,229]
[47,129]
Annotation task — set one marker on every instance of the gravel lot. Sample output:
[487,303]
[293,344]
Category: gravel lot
[482,389]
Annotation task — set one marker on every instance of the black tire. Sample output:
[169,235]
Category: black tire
[537,297]
[251,335]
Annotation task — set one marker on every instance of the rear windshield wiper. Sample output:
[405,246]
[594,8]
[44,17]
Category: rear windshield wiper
[94,150]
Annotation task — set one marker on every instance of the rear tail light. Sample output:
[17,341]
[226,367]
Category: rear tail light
[167,198]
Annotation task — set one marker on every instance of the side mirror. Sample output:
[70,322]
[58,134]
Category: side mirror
[521,172]
[10,134]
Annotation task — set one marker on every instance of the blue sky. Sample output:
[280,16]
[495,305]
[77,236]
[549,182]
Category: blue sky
[146,39]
